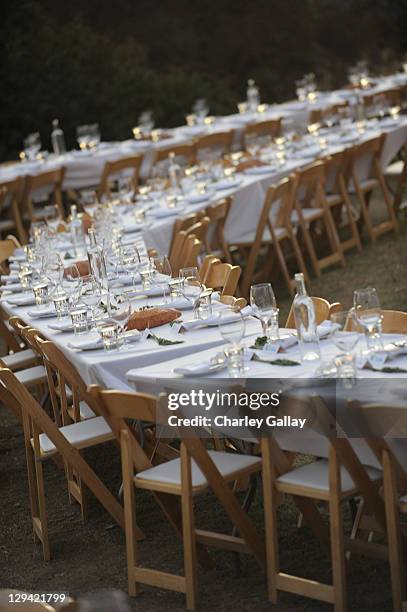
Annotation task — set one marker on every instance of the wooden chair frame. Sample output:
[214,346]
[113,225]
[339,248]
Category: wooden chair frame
[215,241]
[119,406]
[283,192]
[374,148]
[213,141]
[52,178]
[186,150]
[323,311]
[222,276]
[269,127]
[337,199]
[15,189]
[113,168]
[311,181]
[276,463]
[36,421]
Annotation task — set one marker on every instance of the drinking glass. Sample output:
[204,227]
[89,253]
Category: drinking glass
[161,273]
[41,293]
[191,286]
[91,296]
[130,260]
[61,303]
[263,303]
[53,269]
[94,136]
[345,341]
[232,329]
[83,136]
[368,314]
[32,145]
[119,310]
[79,318]
[109,334]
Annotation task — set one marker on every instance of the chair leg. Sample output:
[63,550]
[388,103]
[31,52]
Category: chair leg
[129,514]
[188,530]
[352,223]
[299,257]
[387,200]
[336,534]
[283,267]
[393,534]
[311,249]
[270,519]
[333,235]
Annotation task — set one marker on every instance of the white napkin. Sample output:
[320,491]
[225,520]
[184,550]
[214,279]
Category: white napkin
[162,213]
[26,299]
[326,328]
[9,278]
[63,325]
[227,183]
[95,341]
[14,287]
[254,170]
[181,303]
[214,319]
[201,369]
[44,312]
[153,291]
[130,228]
[378,358]
[196,198]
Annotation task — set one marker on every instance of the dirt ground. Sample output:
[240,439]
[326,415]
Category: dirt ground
[91,556]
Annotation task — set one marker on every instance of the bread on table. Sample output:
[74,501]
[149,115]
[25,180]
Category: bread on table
[152,317]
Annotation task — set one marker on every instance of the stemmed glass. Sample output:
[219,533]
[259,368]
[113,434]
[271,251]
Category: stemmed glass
[368,314]
[91,295]
[232,327]
[161,273]
[191,286]
[263,303]
[119,310]
[53,270]
[32,145]
[83,136]
[130,260]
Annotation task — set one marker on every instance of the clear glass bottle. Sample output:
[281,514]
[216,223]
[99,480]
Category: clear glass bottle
[253,97]
[77,233]
[97,263]
[57,138]
[174,172]
[305,322]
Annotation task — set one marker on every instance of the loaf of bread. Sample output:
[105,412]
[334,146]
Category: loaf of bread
[152,317]
[83,268]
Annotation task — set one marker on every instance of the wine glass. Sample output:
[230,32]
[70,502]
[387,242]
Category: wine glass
[130,261]
[53,270]
[94,136]
[161,273]
[119,310]
[83,136]
[191,286]
[90,295]
[32,145]
[368,314]
[263,303]
[232,327]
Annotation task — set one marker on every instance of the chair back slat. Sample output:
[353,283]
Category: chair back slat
[113,169]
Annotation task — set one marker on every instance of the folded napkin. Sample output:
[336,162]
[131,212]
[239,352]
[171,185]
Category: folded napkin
[180,303]
[162,213]
[26,299]
[326,328]
[227,183]
[17,258]
[94,341]
[202,368]
[214,320]
[14,287]
[43,312]
[9,278]
[63,325]
[377,359]
[130,228]
[254,170]
[196,198]
[153,291]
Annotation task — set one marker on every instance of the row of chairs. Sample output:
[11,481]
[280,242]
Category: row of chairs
[109,417]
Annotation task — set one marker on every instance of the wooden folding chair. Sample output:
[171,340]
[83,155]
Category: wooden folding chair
[45,440]
[11,196]
[217,142]
[273,230]
[33,377]
[184,154]
[199,229]
[366,175]
[318,115]
[271,127]
[113,170]
[337,197]
[335,480]
[184,252]
[323,311]
[397,172]
[222,276]
[182,224]
[392,322]
[215,241]
[381,426]
[311,210]
[39,189]
[196,471]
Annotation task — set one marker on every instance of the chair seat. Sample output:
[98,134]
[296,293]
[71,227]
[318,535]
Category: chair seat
[333,198]
[313,480]
[309,214]
[169,473]
[250,237]
[6,224]
[32,376]
[19,359]
[395,169]
[80,435]
[367,185]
